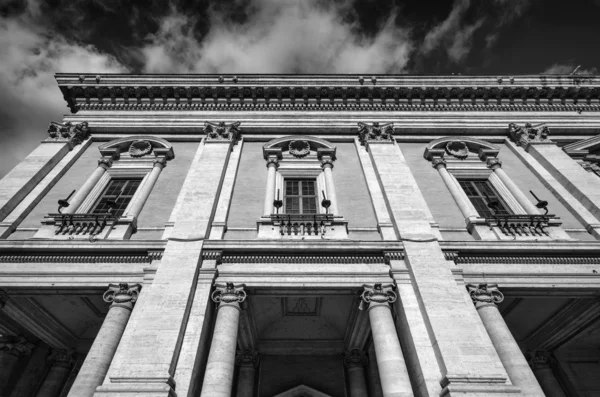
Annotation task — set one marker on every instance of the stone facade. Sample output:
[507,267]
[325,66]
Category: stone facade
[316,236]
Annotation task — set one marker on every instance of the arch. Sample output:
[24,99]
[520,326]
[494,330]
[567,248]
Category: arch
[117,146]
[437,147]
[315,143]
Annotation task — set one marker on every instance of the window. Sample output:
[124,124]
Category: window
[481,192]
[118,190]
[300,196]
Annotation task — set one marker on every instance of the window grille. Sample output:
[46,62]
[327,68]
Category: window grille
[300,196]
[121,192]
[481,193]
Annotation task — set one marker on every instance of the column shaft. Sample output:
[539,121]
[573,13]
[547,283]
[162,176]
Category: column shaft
[245,386]
[527,205]
[82,193]
[100,356]
[61,363]
[510,354]
[459,196]
[331,195]
[270,189]
[390,361]
[8,363]
[30,378]
[142,196]
[374,382]
[548,382]
[356,379]
[218,378]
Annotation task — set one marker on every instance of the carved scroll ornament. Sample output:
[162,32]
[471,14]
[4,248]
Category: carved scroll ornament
[378,294]
[228,293]
[485,293]
[222,132]
[523,135]
[122,293]
[69,132]
[375,132]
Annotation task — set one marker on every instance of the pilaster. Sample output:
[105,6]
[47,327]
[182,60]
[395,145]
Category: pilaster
[150,350]
[451,325]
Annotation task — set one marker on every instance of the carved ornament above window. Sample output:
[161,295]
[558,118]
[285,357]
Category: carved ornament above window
[458,149]
[299,149]
[140,148]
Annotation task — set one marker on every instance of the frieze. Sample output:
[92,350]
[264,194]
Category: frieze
[299,259]
[522,260]
[145,258]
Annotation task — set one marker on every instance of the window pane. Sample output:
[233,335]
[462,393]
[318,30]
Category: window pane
[292,205]
[309,205]
[291,188]
[119,191]
[308,188]
[481,193]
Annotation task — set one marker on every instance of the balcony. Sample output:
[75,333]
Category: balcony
[304,226]
[86,225]
[528,225]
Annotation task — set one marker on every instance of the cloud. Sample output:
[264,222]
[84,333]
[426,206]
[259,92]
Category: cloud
[568,68]
[277,37]
[30,53]
[452,33]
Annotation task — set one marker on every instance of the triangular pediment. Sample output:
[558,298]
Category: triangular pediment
[302,391]
[584,147]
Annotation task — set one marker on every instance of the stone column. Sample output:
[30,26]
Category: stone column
[541,363]
[485,297]
[390,360]
[33,372]
[374,382]
[272,164]
[136,207]
[218,378]
[458,194]
[60,362]
[496,165]
[355,361]
[94,369]
[22,179]
[327,165]
[81,194]
[247,361]
[11,350]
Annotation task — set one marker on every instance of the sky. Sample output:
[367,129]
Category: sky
[489,37]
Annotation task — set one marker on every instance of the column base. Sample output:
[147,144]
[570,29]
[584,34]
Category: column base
[135,390]
[464,385]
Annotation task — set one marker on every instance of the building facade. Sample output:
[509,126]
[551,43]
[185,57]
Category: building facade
[311,235]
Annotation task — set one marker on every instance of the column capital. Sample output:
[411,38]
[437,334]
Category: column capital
[105,162]
[355,358]
[61,358]
[540,359]
[272,161]
[528,134]
[375,133]
[160,162]
[378,293]
[222,132]
[438,162]
[68,132]
[485,293]
[247,358]
[493,163]
[326,162]
[16,346]
[228,293]
[122,295]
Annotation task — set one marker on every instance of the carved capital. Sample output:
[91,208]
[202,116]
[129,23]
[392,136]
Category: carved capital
[375,132]
[326,162]
[540,359]
[105,162]
[485,293]
[228,293]
[247,358]
[272,162]
[68,132]
[61,358]
[527,134]
[122,294]
[160,162]
[438,163]
[493,163]
[16,346]
[355,358]
[222,132]
[378,293]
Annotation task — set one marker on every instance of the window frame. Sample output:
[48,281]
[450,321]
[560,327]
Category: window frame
[301,196]
[103,195]
[503,209]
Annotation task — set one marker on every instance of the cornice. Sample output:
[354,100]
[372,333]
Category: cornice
[307,92]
